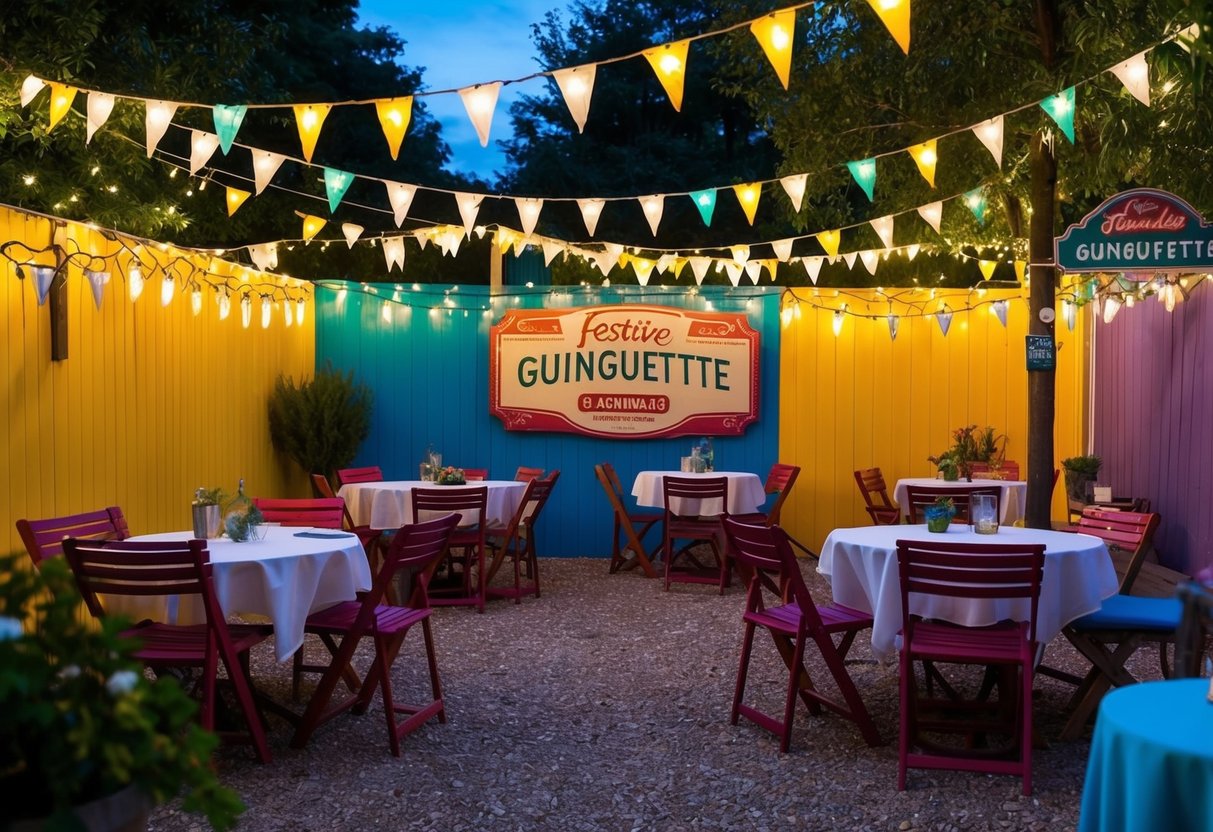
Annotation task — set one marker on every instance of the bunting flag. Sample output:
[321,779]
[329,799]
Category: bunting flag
[1135,75]
[311,226]
[528,212]
[894,324]
[812,267]
[884,230]
[577,86]
[748,195]
[870,260]
[159,116]
[393,252]
[235,198]
[96,282]
[999,308]
[351,232]
[753,270]
[605,261]
[987,267]
[776,33]
[309,118]
[30,87]
[1060,108]
[849,259]
[670,64]
[336,183]
[591,210]
[265,165]
[264,256]
[864,172]
[895,15]
[734,271]
[932,213]
[653,207]
[469,207]
[615,250]
[551,248]
[394,116]
[990,133]
[665,262]
[926,157]
[643,269]
[976,201]
[911,251]
[227,118]
[202,148]
[944,318]
[699,268]
[100,105]
[705,201]
[62,97]
[783,249]
[830,240]
[480,101]
[794,186]
[401,197]
[43,277]
[1020,267]
[741,254]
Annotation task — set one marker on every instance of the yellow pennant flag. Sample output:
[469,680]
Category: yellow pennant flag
[926,157]
[1020,267]
[987,268]
[775,33]
[895,15]
[748,196]
[235,198]
[830,241]
[394,115]
[309,118]
[62,97]
[312,226]
[670,64]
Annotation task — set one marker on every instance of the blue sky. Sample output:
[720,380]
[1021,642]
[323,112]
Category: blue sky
[465,42]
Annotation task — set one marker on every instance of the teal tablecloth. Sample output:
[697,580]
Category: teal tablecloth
[1151,764]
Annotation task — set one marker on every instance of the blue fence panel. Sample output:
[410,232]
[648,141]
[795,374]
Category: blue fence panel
[427,361]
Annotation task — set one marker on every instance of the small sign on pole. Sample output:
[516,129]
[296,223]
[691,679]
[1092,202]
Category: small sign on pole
[1042,353]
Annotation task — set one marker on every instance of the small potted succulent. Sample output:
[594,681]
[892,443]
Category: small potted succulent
[939,514]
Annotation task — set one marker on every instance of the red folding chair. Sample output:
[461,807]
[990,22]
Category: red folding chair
[111,568]
[475,474]
[467,549]
[697,529]
[773,576]
[370,473]
[631,551]
[973,571]
[920,497]
[516,541]
[780,480]
[416,548]
[44,538]
[876,497]
[320,513]
[525,474]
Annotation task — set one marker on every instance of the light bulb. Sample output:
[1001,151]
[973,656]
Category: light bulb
[246,311]
[167,287]
[267,312]
[225,304]
[196,300]
[300,307]
[135,282]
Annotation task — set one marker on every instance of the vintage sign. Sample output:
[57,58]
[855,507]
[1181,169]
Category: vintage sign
[1042,353]
[624,371]
[1139,230]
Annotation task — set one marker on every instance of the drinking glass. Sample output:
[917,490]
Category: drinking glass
[984,513]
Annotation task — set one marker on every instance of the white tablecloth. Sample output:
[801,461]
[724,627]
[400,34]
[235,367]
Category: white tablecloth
[1012,497]
[282,576]
[745,493]
[389,505]
[861,565]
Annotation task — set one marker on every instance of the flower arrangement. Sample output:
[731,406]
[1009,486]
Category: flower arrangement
[208,496]
[243,526]
[79,719]
[970,445]
[939,514]
[450,476]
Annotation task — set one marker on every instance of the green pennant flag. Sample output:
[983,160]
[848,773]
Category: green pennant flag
[336,183]
[976,201]
[705,201]
[1060,108]
[227,121]
[864,172]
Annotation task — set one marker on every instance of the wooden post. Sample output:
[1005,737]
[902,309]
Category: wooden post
[1042,384]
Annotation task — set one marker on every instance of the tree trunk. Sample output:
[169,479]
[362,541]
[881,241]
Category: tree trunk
[1042,384]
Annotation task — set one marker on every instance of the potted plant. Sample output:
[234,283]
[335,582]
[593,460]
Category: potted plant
[84,732]
[206,514]
[321,423]
[450,476]
[939,514]
[1081,472]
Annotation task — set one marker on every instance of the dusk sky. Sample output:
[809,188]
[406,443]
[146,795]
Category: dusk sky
[465,42]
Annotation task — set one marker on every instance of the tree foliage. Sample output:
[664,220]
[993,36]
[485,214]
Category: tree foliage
[321,423]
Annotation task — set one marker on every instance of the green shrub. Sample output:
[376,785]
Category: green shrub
[321,423]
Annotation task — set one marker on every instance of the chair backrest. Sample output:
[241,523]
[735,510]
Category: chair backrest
[536,497]
[1128,531]
[919,497]
[871,485]
[475,474]
[695,488]
[766,553]
[1009,470]
[970,570]
[609,481]
[417,547]
[525,474]
[321,512]
[605,472]
[325,489]
[44,538]
[429,503]
[113,567]
[370,473]
[780,480]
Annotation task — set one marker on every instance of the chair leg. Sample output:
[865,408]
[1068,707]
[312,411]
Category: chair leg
[432,659]
[795,672]
[908,713]
[743,668]
[1025,706]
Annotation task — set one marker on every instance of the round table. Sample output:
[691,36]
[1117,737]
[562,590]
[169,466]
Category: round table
[1012,494]
[746,495]
[861,565]
[1151,763]
[388,505]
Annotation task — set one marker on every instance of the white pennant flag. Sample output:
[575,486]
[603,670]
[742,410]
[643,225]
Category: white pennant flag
[664,262]
[100,105]
[480,101]
[159,115]
[351,232]
[550,249]
[422,239]
[577,85]
[653,207]
[699,268]
[605,261]
[912,251]
[849,259]
[264,256]
[932,213]
[30,87]
[401,197]
[870,260]
[393,252]
[753,270]
[528,212]
[202,146]
[812,267]
[990,133]
[96,282]
[1135,75]
[643,268]
[740,254]
[613,249]
[265,165]
[884,230]
[43,276]
[794,186]
[783,249]
[591,210]
[733,270]
[469,207]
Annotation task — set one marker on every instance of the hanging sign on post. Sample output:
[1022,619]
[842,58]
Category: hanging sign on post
[624,371]
[1142,230]
[1041,353]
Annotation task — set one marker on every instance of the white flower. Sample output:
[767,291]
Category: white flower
[122,682]
[10,628]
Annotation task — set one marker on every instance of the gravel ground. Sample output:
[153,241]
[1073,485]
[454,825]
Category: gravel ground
[604,705]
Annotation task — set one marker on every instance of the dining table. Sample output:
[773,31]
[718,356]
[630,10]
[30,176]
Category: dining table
[287,574]
[388,504]
[861,566]
[1151,760]
[1012,494]
[746,494]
